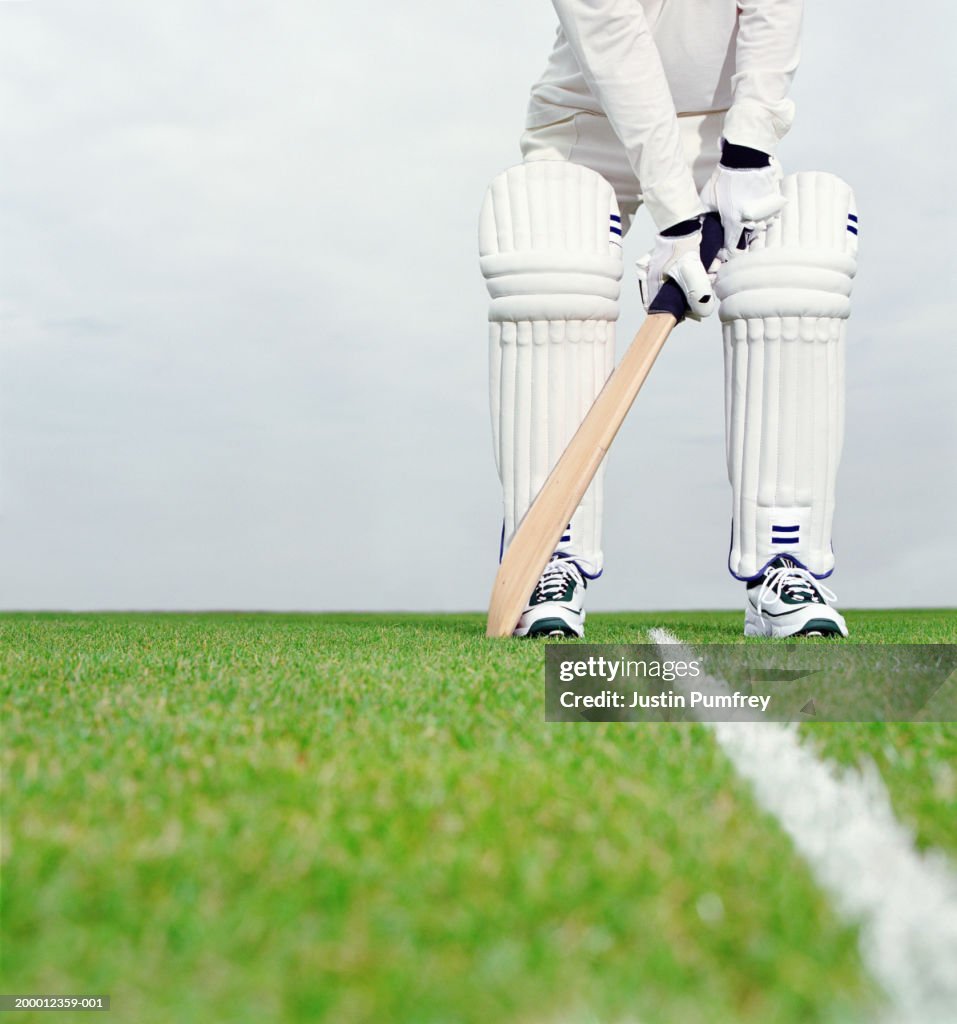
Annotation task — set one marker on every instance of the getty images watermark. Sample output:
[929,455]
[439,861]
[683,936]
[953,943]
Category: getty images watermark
[740,682]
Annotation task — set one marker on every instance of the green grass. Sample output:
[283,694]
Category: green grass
[365,818]
[908,626]
[918,762]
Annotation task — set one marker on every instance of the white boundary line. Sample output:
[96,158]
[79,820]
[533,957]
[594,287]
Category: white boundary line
[842,824]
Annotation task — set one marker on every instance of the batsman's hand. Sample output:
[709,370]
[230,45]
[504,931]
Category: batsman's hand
[678,257]
[747,199]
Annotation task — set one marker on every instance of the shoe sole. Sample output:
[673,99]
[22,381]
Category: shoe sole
[787,626]
[820,627]
[553,628]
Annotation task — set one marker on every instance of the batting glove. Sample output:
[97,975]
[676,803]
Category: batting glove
[745,191]
[678,256]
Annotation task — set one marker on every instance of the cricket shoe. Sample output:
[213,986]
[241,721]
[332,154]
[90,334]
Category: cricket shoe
[557,604]
[786,600]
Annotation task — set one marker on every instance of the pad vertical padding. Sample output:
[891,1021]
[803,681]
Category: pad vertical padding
[550,245]
[784,307]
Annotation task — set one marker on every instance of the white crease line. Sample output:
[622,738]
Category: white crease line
[842,824]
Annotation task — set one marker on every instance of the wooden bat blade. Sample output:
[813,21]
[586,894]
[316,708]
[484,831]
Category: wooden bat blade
[538,533]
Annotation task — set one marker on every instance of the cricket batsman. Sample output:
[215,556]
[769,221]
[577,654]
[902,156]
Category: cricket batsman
[677,106]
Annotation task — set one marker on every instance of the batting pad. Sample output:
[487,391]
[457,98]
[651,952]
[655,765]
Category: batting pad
[784,309]
[550,248]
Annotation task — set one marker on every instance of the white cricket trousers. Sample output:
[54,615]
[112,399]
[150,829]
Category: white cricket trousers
[588,139]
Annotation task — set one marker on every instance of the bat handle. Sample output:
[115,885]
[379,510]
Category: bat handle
[670,298]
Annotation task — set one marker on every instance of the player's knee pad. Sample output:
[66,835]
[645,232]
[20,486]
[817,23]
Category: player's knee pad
[784,308]
[550,245]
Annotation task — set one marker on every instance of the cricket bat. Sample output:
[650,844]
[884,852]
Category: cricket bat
[534,542]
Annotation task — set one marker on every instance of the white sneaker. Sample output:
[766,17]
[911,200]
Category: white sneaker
[557,604]
[789,601]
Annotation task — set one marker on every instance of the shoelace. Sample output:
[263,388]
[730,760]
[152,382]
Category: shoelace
[794,582]
[554,580]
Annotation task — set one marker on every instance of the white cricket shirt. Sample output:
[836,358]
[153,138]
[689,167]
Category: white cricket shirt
[642,62]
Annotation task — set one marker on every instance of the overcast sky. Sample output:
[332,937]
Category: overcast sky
[243,327]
